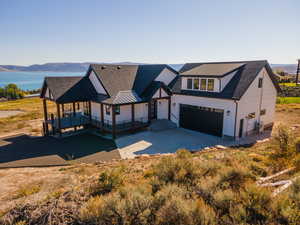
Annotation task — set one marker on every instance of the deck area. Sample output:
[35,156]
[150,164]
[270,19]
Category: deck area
[82,120]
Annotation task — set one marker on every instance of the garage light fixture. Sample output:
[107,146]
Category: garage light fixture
[228,112]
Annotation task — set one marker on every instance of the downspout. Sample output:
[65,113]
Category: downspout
[235,120]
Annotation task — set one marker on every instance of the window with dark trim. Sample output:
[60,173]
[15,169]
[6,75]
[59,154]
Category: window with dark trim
[117,110]
[210,84]
[203,85]
[107,110]
[189,83]
[260,83]
[263,112]
[196,84]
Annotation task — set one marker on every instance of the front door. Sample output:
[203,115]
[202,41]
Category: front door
[153,110]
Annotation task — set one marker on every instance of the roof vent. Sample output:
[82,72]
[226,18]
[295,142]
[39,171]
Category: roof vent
[103,67]
[119,67]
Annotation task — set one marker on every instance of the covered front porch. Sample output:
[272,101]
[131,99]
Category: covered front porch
[107,118]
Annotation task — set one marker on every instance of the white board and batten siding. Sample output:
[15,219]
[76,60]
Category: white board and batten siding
[162,109]
[223,104]
[256,99]
[141,112]
[96,83]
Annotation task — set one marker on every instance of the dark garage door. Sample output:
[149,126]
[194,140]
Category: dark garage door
[202,119]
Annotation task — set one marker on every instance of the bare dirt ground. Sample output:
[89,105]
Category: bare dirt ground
[9,113]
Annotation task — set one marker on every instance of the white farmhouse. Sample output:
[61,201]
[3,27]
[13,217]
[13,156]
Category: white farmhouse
[232,99]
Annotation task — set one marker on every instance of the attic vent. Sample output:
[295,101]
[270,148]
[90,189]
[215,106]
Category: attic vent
[119,67]
[103,67]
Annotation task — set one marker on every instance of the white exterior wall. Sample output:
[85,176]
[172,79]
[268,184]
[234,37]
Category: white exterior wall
[96,83]
[251,101]
[141,112]
[162,109]
[166,76]
[96,111]
[269,100]
[226,105]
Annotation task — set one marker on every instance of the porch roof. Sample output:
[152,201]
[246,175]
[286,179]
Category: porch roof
[68,89]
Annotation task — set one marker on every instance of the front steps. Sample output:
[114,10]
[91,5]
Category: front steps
[162,124]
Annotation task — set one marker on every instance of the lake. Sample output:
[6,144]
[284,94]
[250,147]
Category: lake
[31,80]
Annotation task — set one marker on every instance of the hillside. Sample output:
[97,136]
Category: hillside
[55,67]
[82,67]
[210,186]
[288,68]
[2,69]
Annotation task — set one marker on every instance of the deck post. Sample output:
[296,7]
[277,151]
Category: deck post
[132,115]
[149,112]
[169,108]
[45,116]
[90,111]
[102,115]
[74,114]
[58,119]
[63,110]
[113,114]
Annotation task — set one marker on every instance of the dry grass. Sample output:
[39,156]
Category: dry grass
[32,110]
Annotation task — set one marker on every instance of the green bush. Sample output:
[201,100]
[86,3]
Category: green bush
[108,181]
[181,169]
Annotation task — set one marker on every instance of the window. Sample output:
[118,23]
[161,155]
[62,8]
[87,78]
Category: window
[107,110]
[196,84]
[263,112]
[189,83]
[260,83]
[117,110]
[203,85]
[210,84]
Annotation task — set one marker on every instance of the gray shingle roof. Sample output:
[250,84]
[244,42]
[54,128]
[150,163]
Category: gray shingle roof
[127,82]
[209,69]
[238,84]
[68,89]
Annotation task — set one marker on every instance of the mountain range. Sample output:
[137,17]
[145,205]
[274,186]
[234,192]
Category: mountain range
[82,67]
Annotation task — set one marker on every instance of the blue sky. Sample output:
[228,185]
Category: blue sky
[149,31]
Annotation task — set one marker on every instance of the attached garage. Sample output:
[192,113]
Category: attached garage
[202,119]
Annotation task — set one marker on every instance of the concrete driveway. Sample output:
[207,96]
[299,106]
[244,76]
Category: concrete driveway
[167,141]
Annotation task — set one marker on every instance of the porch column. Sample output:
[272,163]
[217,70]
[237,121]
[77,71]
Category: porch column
[58,119]
[149,112]
[102,114]
[169,108]
[113,114]
[74,114]
[45,116]
[90,111]
[63,110]
[132,115]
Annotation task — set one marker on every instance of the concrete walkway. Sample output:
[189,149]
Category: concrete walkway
[169,141]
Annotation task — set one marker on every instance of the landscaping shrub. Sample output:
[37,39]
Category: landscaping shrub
[180,169]
[108,181]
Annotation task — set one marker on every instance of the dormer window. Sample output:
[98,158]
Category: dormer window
[210,84]
[196,84]
[203,85]
[190,83]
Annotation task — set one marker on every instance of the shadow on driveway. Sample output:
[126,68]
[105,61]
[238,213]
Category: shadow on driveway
[24,150]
